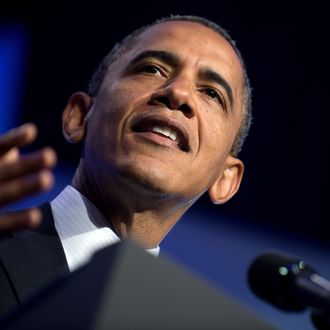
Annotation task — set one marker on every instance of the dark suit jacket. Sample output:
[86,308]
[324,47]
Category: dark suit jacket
[28,261]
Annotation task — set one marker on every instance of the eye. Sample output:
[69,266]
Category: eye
[151,69]
[214,94]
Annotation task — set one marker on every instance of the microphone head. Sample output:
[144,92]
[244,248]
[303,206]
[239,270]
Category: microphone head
[271,276]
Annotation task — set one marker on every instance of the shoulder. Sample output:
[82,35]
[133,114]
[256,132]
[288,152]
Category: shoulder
[28,245]
[31,258]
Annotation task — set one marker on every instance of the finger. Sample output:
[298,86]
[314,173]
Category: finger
[18,137]
[17,189]
[28,164]
[10,156]
[27,219]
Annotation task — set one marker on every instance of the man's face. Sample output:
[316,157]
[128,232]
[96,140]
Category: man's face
[167,112]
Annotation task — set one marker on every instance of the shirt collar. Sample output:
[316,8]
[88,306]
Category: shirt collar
[82,228]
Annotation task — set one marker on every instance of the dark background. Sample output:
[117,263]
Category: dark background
[284,46]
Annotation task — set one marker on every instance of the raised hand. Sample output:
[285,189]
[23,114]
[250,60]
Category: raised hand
[22,176]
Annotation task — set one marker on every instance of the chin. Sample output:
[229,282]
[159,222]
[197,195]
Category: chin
[144,178]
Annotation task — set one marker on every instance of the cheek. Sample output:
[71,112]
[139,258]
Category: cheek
[116,103]
[113,107]
[218,136]
[124,92]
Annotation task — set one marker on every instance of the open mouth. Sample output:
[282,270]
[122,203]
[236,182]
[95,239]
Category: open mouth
[165,128]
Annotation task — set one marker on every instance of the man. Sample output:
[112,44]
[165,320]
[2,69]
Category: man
[162,123]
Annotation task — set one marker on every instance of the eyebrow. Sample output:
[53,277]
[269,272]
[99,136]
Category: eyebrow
[215,77]
[164,56]
[174,60]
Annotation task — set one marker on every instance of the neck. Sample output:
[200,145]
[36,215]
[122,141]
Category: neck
[145,216]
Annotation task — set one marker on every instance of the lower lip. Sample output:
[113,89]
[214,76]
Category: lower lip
[158,139]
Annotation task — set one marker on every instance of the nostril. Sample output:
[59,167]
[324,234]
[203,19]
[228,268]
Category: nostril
[185,109]
[163,100]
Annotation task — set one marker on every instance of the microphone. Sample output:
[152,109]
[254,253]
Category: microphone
[291,284]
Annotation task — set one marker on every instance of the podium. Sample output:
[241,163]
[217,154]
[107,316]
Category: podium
[124,287]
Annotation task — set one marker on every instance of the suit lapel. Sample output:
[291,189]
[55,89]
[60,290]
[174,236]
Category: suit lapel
[34,258]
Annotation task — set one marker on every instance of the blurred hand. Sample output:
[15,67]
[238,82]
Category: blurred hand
[22,176]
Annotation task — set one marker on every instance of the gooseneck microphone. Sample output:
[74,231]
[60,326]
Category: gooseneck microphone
[291,284]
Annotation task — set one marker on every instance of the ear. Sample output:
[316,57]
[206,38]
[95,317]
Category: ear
[228,181]
[75,116]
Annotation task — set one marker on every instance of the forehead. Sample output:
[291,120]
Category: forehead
[189,35]
[194,43]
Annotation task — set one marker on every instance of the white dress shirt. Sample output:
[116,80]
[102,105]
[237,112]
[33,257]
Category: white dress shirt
[82,228]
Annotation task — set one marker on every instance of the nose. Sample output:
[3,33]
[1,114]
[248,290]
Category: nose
[176,94]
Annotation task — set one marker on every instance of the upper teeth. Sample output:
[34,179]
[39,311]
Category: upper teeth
[165,131]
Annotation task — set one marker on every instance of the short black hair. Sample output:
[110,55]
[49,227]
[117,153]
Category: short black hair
[127,42]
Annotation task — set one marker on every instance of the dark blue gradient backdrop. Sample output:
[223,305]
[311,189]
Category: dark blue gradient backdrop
[48,51]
